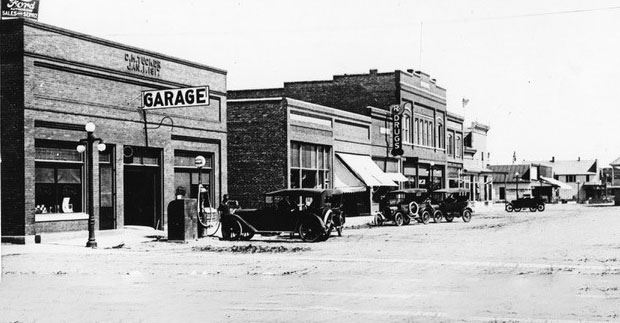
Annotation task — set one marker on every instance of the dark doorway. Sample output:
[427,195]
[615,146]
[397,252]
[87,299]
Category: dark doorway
[502,193]
[107,189]
[142,196]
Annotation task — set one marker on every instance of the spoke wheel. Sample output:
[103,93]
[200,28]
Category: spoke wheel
[533,209]
[426,216]
[311,230]
[466,216]
[509,207]
[437,216]
[233,231]
[541,207]
[378,220]
[448,217]
[406,220]
[399,219]
[517,209]
[246,235]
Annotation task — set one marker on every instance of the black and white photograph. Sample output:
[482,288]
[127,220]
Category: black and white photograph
[309,161]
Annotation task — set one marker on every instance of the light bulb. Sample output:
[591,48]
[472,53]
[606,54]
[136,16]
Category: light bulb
[101,147]
[80,148]
[90,127]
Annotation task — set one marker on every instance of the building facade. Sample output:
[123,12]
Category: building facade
[53,82]
[432,137]
[277,142]
[583,177]
[523,180]
[476,175]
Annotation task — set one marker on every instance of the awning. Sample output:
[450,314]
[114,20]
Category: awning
[397,177]
[555,182]
[366,170]
[346,181]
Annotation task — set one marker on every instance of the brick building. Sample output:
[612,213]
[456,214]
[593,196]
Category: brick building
[432,137]
[54,81]
[277,142]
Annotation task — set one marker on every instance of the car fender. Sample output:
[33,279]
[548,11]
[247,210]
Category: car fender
[243,222]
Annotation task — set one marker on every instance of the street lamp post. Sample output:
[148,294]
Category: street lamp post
[517,179]
[86,145]
[578,182]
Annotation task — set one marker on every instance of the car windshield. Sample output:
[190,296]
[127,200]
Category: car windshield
[395,198]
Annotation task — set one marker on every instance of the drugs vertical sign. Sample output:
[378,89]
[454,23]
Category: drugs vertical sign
[397,130]
[20,9]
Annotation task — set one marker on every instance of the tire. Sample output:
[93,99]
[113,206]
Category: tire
[509,207]
[232,231]
[466,216]
[541,207]
[406,220]
[399,219]
[517,209]
[311,229]
[533,209]
[413,208]
[437,215]
[448,217]
[378,220]
[426,216]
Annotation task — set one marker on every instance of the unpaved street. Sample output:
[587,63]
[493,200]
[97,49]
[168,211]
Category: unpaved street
[563,264]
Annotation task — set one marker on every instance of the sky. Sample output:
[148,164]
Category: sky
[542,74]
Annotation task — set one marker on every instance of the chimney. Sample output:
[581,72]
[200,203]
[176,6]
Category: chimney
[373,71]
[553,159]
[411,70]
[433,80]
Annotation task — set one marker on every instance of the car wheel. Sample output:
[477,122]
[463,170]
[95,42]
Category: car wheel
[509,207]
[533,209]
[399,219]
[448,217]
[406,220]
[466,216]
[311,230]
[426,216]
[517,209]
[232,231]
[541,207]
[437,216]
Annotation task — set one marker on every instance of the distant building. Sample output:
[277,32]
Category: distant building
[582,176]
[476,176]
[528,179]
[615,180]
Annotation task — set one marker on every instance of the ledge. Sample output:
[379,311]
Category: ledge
[49,217]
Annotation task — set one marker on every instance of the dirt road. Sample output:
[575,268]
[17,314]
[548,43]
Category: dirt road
[563,264]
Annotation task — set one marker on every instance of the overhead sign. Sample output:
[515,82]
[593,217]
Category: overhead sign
[20,9]
[397,128]
[175,98]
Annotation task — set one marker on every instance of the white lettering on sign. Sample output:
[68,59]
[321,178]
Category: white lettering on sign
[175,98]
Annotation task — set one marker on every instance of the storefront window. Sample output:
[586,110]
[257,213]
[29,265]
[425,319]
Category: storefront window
[58,178]
[315,161]
[406,128]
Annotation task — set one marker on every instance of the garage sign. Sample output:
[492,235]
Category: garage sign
[397,130]
[175,98]
[20,9]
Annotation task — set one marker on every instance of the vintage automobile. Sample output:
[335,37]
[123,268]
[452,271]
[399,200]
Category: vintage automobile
[312,213]
[401,206]
[450,203]
[532,203]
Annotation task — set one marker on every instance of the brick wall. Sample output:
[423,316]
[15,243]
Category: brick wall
[71,78]
[257,149]
[12,127]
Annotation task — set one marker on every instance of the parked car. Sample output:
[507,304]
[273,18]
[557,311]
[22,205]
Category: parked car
[312,213]
[532,203]
[451,203]
[402,206]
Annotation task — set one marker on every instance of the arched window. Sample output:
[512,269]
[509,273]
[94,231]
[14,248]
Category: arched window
[417,131]
[450,145]
[429,141]
[458,147]
[439,143]
[424,133]
[406,129]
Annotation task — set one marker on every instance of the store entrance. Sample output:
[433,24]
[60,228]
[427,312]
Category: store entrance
[142,196]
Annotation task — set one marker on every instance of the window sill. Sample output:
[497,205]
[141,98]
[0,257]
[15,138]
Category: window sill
[49,217]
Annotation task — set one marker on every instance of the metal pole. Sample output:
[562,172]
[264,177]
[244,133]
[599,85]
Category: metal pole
[146,131]
[200,228]
[92,243]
